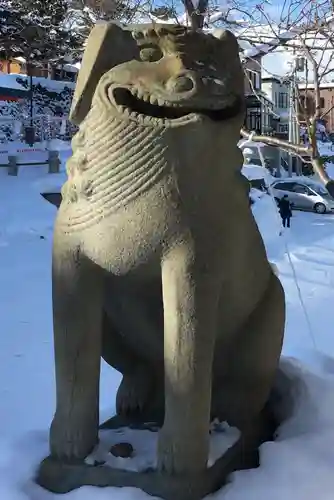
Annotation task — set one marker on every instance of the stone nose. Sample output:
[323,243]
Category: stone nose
[181,83]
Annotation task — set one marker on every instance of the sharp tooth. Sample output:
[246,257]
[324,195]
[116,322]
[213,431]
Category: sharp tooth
[161,102]
[139,93]
[146,97]
[153,99]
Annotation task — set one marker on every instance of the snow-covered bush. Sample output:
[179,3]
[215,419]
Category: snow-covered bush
[50,99]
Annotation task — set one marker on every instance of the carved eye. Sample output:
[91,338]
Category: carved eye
[151,54]
[137,35]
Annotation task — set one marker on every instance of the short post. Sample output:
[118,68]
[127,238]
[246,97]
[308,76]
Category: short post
[13,168]
[29,135]
[54,162]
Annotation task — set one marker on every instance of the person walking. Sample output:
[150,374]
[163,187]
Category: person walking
[285,210]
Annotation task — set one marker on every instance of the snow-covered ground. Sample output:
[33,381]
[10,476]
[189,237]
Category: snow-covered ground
[297,466]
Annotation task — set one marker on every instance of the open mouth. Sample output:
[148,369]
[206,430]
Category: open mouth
[157,109]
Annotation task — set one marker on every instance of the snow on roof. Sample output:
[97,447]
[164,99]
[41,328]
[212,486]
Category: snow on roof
[20,59]
[310,85]
[253,172]
[250,144]
[71,68]
[7,81]
[273,78]
[10,81]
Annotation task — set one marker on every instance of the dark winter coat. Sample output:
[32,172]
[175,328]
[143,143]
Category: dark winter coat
[285,208]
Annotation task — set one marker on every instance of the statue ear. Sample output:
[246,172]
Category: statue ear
[228,53]
[227,37]
[107,46]
[222,34]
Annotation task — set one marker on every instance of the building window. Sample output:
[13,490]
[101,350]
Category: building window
[69,76]
[284,127]
[255,80]
[267,122]
[322,102]
[282,100]
[253,120]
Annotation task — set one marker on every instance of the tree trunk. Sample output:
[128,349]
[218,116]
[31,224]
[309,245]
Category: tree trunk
[196,15]
[31,93]
[51,71]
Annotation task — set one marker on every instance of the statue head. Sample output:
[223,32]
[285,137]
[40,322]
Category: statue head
[162,71]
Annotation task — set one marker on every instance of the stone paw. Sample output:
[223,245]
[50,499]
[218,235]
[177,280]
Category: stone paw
[72,442]
[166,452]
[182,452]
[133,394]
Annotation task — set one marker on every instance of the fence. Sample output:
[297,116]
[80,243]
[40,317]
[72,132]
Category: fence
[14,153]
[46,128]
[52,160]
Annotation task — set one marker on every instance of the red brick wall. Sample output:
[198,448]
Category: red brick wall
[327,104]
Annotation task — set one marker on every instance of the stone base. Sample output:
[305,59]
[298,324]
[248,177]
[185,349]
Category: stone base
[59,477]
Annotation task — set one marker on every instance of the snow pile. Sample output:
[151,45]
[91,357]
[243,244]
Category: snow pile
[301,459]
[267,218]
[145,443]
[297,466]
[292,467]
[256,194]
[50,183]
[254,172]
[326,149]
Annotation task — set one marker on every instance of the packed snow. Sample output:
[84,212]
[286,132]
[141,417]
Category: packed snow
[297,466]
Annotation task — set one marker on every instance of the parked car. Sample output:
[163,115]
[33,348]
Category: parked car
[304,194]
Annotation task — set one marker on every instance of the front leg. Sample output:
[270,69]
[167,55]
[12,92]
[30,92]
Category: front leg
[77,312]
[190,297]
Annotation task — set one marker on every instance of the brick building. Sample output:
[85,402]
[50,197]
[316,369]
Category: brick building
[9,66]
[326,102]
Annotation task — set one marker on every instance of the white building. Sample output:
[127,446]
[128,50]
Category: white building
[278,92]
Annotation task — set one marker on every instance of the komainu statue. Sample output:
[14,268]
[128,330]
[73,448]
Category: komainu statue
[158,263]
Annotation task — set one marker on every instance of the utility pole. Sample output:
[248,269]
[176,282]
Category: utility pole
[296,125]
[294,129]
[291,128]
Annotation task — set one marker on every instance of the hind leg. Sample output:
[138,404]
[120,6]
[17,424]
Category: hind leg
[133,341]
[135,388]
[140,384]
[241,392]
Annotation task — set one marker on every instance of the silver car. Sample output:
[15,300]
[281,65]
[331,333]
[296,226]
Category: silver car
[304,194]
